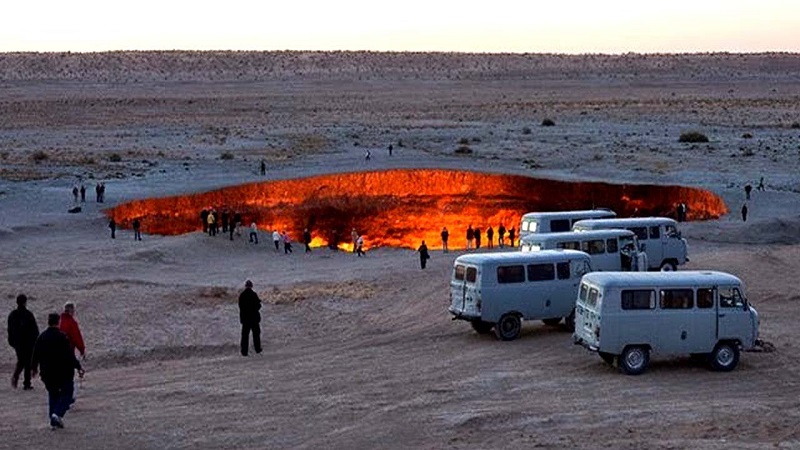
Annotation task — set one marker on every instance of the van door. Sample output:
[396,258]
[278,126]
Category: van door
[733,317]
[656,245]
[704,321]
[463,292]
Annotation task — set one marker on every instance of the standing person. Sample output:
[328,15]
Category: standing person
[204,219]
[511,234]
[287,243]
[744,212]
[58,363]
[501,236]
[212,223]
[424,256]
[250,318]
[470,236]
[75,193]
[263,167]
[254,232]
[445,237]
[307,240]
[354,236]
[83,193]
[113,226]
[747,189]
[22,334]
[490,237]
[367,155]
[97,192]
[237,222]
[69,326]
[477,238]
[390,149]
[225,220]
[276,239]
[102,192]
[137,226]
[360,246]
[760,186]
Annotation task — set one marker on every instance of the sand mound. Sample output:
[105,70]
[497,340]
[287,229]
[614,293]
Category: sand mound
[352,289]
[785,231]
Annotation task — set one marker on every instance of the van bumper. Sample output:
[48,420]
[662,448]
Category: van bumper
[458,315]
[578,341]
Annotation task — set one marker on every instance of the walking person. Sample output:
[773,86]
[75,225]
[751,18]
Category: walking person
[254,233]
[276,239]
[360,246]
[250,318]
[113,226]
[56,364]
[445,237]
[287,243]
[424,256]
[760,186]
[97,193]
[490,237]
[83,193]
[263,167]
[307,240]
[747,189]
[137,230]
[744,212]
[354,236]
[22,334]
[69,326]
[75,194]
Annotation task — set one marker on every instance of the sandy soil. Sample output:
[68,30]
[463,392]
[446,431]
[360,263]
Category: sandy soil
[361,352]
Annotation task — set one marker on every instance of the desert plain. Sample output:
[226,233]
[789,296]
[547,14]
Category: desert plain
[361,352]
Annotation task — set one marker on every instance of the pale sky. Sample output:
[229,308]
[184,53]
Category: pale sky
[535,26]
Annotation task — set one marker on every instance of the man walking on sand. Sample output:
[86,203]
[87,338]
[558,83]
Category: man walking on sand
[424,256]
[22,334]
[276,239]
[69,326]
[58,364]
[250,318]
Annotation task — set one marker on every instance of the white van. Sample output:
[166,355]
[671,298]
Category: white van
[658,236]
[557,221]
[613,250]
[627,315]
[499,290]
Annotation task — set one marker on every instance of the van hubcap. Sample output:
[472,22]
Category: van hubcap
[634,359]
[724,356]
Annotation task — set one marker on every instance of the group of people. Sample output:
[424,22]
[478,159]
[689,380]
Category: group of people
[211,221]
[748,189]
[50,355]
[474,235]
[80,189]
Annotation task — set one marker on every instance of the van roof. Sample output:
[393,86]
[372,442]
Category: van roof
[625,222]
[577,235]
[660,279]
[521,257]
[580,212]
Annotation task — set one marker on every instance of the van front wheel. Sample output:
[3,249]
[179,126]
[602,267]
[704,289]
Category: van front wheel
[482,327]
[725,357]
[634,359]
[668,266]
[508,327]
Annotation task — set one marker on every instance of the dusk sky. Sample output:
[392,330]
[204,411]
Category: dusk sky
[578,26]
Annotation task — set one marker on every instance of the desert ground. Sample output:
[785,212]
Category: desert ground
[361,352]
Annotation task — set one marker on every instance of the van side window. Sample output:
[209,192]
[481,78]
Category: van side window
[638,299]
[640,232]
[595,247]
[472,274]
[572,245]
[655,232]
[511,274]
[580,268]
[670,231]
[729,297]
[677,299]
[705,298]
[558,225]
[458,274]
[541,272]
[562,270]
[611,245]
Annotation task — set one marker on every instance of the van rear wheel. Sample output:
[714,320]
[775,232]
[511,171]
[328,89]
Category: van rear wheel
[481,327]
[508,327]
[634,359]
[725,357]
[551,322]
[668,266]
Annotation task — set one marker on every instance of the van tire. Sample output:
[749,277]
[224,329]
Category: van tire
[508,327]
[552,322]
[668,266]
[634,359]
[724,357]
[481,327]
[569,321]
[608,358]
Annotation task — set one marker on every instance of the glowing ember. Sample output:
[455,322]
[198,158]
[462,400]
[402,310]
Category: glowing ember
[400,208]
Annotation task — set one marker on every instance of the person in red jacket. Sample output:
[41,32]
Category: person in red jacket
[69,326]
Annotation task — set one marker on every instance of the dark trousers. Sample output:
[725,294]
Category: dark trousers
[308,248]
[246,329]
[277,245]
[137,235]
[23,365]
[423,261]
[59,397]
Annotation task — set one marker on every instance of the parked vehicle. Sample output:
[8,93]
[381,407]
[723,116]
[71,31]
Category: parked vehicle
[500,290]
[610,250]
[626,316]
[658,236]
[557,221]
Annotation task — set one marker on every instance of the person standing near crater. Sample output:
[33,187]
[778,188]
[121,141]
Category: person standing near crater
[424,256]
[307,240]
[501,236]
[477,238]
[445,237]
[470,236]
[490,237]
[250,318]
[137,233]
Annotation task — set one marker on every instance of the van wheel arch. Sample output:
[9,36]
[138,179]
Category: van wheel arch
[668,265]
[725,356]
[634,359]
[481,327]
[509,326]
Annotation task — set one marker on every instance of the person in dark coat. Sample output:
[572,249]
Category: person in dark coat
[307,240]
[490,237]
[113,226]
[137,230]
[250,317]
[22,334]
[470,236]
[501,236]
[511,235]
[204,219]
[477,238]
[83,193]
[424,256]
[56,363]
[445,237]
[744,212]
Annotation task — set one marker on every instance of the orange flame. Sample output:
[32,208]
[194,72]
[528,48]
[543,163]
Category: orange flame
[400,208]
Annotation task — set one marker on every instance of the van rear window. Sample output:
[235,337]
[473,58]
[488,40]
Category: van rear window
[592,299]
[472,274]
[559,225]
[677,299]
[582,294]
[541,272]
[638,299]
[511,274]
[459,272]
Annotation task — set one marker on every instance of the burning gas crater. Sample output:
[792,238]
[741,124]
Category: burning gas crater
[400,208]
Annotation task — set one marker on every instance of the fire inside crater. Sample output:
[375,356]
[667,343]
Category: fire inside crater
[400,208]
